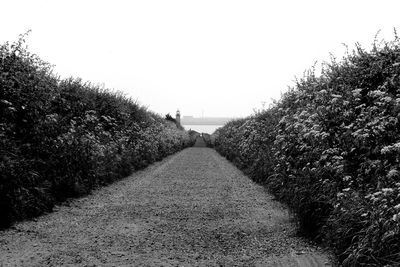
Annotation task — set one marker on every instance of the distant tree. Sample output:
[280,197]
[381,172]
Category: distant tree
[168,117]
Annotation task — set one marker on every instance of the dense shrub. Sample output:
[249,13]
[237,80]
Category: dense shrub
[61,138]
[330,149]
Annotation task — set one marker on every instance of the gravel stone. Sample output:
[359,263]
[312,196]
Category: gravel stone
[191,209]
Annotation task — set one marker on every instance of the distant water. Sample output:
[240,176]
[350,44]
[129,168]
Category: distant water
[202,128]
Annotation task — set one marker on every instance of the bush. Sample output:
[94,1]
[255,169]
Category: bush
[62,138]
[330,149]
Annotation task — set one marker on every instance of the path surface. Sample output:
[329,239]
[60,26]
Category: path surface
[191,209]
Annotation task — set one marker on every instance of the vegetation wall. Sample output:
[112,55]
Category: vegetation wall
[60,138]
[330,149]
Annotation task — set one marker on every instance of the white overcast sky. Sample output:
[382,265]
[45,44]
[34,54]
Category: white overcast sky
[217,58]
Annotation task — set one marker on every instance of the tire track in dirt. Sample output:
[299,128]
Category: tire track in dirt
[191,209]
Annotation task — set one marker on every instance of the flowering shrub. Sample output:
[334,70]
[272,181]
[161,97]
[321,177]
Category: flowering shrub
[62,138]
[330,149]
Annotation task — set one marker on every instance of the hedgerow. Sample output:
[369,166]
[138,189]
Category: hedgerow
[60,138]
[330,149]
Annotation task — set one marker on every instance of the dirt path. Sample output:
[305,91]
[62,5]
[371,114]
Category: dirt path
[191,209]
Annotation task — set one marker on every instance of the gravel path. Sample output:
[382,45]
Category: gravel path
[192,209]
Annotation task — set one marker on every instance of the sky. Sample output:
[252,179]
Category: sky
[205,58]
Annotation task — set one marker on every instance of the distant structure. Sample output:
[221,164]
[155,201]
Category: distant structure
[190,120]
[178,119]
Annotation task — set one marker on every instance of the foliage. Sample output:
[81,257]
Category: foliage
[330,149]
[168,117]
[62,138]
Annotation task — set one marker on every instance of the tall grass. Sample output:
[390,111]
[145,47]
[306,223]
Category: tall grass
[330,149]
[60,138]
